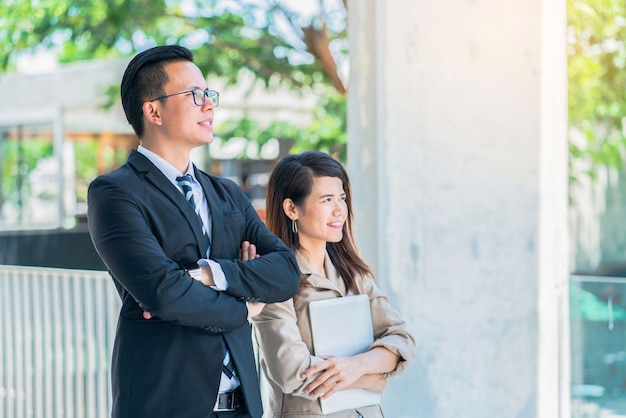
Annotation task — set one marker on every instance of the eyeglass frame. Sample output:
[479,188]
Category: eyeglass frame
[205,95]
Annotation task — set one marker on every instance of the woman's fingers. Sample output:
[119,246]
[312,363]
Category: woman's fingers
[335,374]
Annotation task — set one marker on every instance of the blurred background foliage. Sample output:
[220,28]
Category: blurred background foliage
[299,44]
[303,44]
[597,83]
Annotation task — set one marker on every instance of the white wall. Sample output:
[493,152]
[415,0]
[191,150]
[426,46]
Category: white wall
[457,152]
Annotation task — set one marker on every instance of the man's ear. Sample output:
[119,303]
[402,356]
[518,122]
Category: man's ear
[151,111]
[290,209]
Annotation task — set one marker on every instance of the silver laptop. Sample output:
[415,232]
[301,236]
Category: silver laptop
[343,327]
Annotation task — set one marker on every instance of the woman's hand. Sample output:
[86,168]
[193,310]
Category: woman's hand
[376,382]
[336,373]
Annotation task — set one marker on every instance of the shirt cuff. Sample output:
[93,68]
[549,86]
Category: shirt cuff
[219,278]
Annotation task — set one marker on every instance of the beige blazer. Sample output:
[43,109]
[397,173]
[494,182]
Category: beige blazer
[284,336]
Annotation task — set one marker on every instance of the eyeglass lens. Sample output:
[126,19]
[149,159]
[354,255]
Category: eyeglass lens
[199,96]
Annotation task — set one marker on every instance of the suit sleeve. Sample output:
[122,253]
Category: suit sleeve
[122,231]
[273,277]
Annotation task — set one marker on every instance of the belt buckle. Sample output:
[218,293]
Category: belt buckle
[225,402]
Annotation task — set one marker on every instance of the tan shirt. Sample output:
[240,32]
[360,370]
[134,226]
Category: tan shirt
[284,336]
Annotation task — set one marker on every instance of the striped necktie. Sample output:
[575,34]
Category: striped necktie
[185,184]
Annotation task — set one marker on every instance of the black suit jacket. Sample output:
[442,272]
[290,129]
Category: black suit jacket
[147,234]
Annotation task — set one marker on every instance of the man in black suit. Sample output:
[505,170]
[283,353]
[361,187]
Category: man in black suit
[178,244]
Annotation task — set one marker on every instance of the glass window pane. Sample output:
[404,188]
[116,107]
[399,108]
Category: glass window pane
[29,177]
[598,346]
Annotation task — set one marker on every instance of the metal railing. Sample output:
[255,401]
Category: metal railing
[57,328]
[56,335]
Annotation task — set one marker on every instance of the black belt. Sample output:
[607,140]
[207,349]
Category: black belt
[228,401]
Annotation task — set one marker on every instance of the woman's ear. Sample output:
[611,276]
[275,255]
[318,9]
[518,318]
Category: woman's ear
[290,209]
[151,113]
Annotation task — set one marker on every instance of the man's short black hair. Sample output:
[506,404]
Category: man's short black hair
[145,77]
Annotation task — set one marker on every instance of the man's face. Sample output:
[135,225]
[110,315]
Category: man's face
[183,121]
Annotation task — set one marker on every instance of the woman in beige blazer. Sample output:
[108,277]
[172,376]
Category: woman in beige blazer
[309,208]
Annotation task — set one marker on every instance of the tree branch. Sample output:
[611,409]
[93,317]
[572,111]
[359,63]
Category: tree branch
[318,45]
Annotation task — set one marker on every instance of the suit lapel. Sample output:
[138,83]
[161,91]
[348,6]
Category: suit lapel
[332,282]
[161,184]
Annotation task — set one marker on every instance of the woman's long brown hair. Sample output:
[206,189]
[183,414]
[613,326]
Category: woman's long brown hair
[292,178]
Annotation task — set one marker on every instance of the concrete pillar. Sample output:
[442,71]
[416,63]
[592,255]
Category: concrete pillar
[458,157]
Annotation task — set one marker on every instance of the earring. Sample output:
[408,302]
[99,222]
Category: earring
[294,226]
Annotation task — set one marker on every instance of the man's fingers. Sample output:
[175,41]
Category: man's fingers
[254,308]
[247,251]
[243,252]
[251,252]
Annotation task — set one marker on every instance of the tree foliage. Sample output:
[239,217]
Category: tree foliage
[327,133]
[275,42]
[266,37]
[597,81]
[280,46]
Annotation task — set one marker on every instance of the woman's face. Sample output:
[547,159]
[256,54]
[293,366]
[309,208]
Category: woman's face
[321,217]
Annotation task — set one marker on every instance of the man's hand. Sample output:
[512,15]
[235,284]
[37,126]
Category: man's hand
[205,275]
[247,251]
[254,308]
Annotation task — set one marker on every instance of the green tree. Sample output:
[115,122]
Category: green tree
[275,42]
[597,81]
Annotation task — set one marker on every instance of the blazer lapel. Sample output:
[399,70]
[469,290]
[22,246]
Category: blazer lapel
[161,184]
[332,282]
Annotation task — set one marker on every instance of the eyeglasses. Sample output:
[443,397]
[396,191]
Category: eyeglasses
[199,96]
